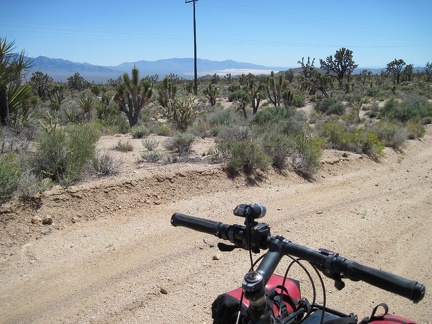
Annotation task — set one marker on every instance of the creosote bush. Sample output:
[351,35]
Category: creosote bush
[330,106]
[63,155]
[139,131]
[181,143]
[105,165]
[341,136]
[124,146]
[247,156]
[150,144]
[10,173]
[391,134]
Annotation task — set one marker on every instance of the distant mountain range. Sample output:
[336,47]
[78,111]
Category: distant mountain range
[60,69]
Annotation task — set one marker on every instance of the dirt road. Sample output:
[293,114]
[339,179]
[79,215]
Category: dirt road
[112,256]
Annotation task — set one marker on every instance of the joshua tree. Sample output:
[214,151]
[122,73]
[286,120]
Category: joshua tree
[12,67]
[133,95]
[211,93]
[428,71]
[341,66]
[167,92]
[312,79]
[275,87]
[394,69]
[255,88]
[77,82]
[40,84]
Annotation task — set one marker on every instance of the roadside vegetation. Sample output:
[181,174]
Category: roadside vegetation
[49,130]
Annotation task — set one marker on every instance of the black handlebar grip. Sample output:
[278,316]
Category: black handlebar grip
[195,223]
[387,281]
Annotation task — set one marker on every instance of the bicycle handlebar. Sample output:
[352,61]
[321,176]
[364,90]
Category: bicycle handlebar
[330,263]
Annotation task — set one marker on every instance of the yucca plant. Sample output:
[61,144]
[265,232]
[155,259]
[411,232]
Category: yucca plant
[133,95]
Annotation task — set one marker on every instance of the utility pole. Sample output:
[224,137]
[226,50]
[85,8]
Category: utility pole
[195,48]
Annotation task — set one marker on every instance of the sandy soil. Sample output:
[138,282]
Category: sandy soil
[111,255]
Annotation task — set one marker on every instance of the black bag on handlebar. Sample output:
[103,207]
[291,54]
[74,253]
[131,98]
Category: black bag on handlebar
[225,310]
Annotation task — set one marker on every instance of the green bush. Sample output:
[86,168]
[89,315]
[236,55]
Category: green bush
[28,186]
[139,131]
[270,115]
[306,158]
[298,101]
[124,146]
[392,135]
[415,129]
[105,165]
[63,155]
[225,117]
[247,156]
[279,147]
[413,108]
[358,140]
[10,173]
[162,130]
[150,144]
[152,156]
[181,143]
[330,106]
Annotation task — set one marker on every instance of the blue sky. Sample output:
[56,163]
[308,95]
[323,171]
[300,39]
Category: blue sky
[271,33]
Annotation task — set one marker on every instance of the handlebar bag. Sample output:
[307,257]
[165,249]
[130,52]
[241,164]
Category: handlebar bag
[226,306]
[385,318]
[225,310]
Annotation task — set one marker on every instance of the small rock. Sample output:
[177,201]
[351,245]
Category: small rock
[163,291]
[36,220]
[216,257]
[47,220]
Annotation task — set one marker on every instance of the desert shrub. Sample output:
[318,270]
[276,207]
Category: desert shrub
[28,186]
[247,156]
[330,106]
[373,110]
[10,173]
[150,144]
[415,129]
[124,146]
[62,155]
[279,147]
[392,135]
[412,108]
[359,140]
[270,115]
[104,164]
[368,141]
[162,130]
[306,158]
[235,133]
[225,117]
[181,143]
[373,92]
[152,156]
[115,125]
[139,131]
[298,101]
[237,95]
